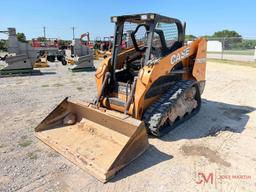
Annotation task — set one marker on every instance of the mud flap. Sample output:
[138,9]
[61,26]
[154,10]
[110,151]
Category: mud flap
[97,140]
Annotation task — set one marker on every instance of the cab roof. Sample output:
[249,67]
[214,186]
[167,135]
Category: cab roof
[138,18]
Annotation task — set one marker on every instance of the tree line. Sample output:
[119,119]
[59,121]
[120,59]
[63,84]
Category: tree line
[230,40]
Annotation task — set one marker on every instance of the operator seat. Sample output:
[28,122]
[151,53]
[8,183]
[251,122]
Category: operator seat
[164,49]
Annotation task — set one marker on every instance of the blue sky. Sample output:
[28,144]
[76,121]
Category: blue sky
[202,17]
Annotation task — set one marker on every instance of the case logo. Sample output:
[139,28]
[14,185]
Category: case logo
[176,58]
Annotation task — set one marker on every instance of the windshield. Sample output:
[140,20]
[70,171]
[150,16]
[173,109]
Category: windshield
[140,35]
[164,38]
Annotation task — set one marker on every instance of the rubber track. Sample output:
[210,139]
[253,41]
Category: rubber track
[153,115]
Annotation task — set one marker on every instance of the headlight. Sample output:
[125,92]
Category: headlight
[113,19]
[143,17]
[152,16]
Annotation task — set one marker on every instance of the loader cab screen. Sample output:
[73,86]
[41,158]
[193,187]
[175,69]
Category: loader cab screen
[165,38]
[135,41]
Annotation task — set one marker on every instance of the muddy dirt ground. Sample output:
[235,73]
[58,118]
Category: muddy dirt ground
[213,151]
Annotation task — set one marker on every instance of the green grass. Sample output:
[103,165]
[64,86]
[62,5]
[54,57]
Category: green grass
[24,137]
[24,142]
[235,52]
[231,62]
[32,155]
[45,85]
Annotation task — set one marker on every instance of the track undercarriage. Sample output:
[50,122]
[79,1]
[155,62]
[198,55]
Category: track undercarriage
[178,104]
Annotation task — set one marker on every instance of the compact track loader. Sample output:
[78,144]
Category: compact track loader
[147,87]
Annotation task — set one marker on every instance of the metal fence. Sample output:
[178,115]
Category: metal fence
[232,48]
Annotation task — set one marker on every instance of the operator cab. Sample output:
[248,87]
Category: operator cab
[141,39]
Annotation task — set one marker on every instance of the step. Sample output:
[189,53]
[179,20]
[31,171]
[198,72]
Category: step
[117,101]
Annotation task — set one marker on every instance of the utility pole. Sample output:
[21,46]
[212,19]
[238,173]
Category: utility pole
[254,54]
[73,29]
[44,32]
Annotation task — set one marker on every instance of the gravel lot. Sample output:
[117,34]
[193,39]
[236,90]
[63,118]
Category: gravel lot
[220,140]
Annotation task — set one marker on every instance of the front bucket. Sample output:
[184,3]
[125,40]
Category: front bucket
[97,140]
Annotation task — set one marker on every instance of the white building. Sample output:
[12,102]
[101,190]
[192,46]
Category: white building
[212,46]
